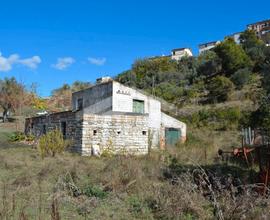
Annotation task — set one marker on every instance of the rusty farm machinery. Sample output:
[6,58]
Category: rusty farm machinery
[255,151]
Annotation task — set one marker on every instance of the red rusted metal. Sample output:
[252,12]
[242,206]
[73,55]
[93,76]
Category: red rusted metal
[256,152]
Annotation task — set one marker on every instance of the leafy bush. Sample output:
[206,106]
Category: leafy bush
[95,191]
[241,77]
[219,89]
[261,117]
[20,136]
[52,143]
[221,118]
[17,136]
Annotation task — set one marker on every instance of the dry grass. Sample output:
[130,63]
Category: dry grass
[163,185]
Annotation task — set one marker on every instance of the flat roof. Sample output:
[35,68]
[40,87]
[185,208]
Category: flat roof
[211,42]
[179,49]
[95,85]
[53,113]
[259,22]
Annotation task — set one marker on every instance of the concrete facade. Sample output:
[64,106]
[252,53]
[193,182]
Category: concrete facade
[178,54]
[110,115]
[236,37]
[207,46]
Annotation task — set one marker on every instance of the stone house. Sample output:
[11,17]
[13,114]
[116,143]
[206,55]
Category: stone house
[112,116]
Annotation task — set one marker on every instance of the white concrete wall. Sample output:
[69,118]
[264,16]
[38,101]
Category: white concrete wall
[178,55]
[93,95]
[123,102]
[208,47]
[101,107]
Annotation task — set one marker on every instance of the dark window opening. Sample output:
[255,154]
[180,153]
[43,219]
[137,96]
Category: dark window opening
[118,132]
[32,125]
[44,129]
[94,132]
[144,132]
[79,104]
[64,129]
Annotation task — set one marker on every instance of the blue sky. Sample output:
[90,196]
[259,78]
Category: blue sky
[54,42]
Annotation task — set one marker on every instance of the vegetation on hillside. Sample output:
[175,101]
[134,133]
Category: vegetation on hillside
[215,93]
[228,72]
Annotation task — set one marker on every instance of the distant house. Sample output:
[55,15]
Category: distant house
[260,28]
[112,116]
[235,37]
[207,46]
[178,54]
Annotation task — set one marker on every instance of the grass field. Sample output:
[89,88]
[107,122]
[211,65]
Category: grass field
[161,185]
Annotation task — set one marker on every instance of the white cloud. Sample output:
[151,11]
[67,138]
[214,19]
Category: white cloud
[97,61]
[6,63]
[31,62]
[63,63]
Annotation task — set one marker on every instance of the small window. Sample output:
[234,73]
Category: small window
[44,129]
[32,125]
[144,132]
[138,106]
[94,132]
[79,104]
[64,129]
[118,132]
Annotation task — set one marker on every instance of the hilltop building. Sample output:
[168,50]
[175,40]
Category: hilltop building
[235,37]
[179,53]
[207,46]
[112,116]
[262,30]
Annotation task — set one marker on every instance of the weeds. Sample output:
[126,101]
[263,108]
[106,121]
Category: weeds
[175,184]
[52,143]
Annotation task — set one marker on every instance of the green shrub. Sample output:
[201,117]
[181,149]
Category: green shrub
[220,89]
[17,136]
[241,78]
[95,191]
[52,143]
[20,136]
[220,118]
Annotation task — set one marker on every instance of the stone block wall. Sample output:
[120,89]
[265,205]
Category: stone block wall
[115,133]
[38,126]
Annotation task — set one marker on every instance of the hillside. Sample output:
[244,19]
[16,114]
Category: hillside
[223,84]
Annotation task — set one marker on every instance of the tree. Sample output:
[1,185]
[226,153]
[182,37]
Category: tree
[261,117]
[61,97]
[254,48]
[79,85]
[265,70]
[209,64]
[169,92]
[249,39]
[233,56]
[241,77]
[220,88]
[11,96]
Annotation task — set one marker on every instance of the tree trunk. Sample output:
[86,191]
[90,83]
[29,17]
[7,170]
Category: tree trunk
[5,115]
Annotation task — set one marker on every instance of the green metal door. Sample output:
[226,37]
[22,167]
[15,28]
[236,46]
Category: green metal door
[138,106]
[172,136]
